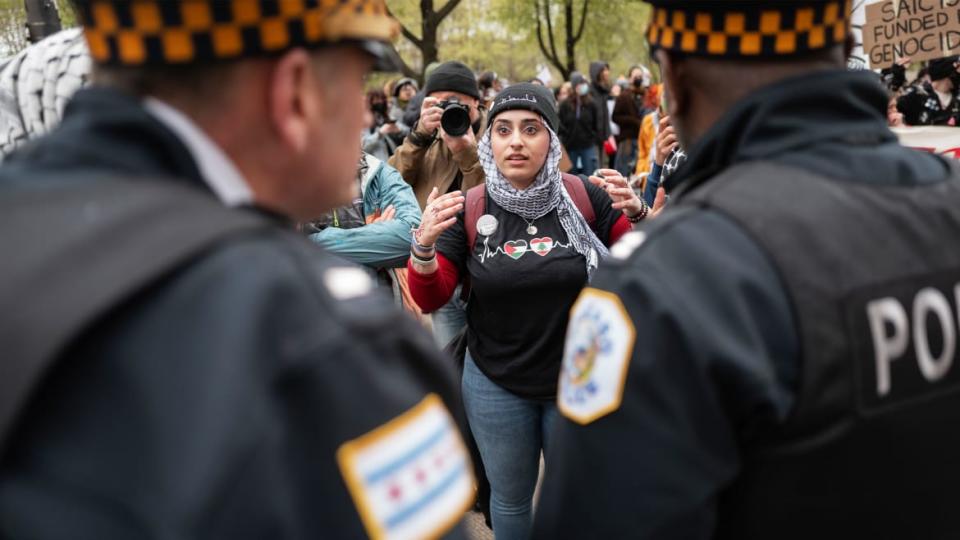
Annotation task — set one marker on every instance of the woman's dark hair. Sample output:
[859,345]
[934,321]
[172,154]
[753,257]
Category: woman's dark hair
[375,95]
[577,99]
[576,80]
[486,80]
[381,114]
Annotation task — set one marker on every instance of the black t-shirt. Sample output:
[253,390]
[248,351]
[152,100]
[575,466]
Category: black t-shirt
[522,289]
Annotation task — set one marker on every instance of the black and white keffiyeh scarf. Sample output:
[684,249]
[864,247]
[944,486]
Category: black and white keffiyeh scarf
[543,196]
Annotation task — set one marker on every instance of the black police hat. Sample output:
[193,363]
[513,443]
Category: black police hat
[168,32]
[748,29]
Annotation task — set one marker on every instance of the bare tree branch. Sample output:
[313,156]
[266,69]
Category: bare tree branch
[546,13]
[543,48]
[446,9]
[405,31]
[583,20]
[407,70]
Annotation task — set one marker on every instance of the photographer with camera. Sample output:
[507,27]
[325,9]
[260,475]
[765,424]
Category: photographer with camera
[441,152]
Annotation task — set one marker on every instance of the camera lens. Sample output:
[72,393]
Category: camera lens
[455,120]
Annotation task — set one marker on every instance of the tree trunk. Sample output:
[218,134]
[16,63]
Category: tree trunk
[428,43]
[43,19]
[430,20]
[570,38]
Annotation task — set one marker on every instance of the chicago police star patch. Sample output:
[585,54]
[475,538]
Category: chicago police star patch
[599,345]
[411,477]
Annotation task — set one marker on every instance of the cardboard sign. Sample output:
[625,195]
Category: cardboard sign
[918,29]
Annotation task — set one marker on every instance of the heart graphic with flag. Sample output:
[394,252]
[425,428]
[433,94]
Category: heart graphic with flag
[542,246]
[515,248]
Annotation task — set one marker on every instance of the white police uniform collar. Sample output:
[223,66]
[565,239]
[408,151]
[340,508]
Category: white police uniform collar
[218,171]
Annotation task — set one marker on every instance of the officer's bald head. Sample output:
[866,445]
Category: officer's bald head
[290,122]
[277,85]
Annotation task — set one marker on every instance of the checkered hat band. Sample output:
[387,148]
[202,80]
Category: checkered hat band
[763,31]
[138,32]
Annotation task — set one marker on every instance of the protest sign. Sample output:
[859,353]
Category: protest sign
[938,140]
[918,29]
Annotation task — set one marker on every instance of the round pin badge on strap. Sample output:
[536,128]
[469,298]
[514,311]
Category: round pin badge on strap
[487,225]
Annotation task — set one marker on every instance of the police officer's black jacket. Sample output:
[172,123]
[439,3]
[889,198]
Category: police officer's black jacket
[213,404]
[773,389]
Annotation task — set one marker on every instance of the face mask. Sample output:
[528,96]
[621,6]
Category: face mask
[583,89]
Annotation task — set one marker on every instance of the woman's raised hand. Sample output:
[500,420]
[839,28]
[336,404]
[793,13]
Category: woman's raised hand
[439,215]
[667,141]
[616,186]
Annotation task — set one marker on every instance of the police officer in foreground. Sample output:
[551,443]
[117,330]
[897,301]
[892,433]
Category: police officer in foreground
[176,361]
[775,355]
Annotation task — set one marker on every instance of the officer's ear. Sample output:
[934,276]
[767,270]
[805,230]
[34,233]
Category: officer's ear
[291,99]
[674,73]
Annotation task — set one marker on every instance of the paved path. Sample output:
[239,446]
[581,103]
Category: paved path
[476,528]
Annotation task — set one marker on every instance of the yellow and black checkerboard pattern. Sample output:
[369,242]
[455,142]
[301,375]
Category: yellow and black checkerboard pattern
[765,31]
[139,32]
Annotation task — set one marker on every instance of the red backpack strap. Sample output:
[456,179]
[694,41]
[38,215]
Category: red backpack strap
[578,192]
[475,206]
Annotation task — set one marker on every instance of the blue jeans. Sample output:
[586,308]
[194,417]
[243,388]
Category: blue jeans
[585,161]
[449,320]
[510,432]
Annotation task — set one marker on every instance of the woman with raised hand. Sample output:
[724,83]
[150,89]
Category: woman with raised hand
[529,239]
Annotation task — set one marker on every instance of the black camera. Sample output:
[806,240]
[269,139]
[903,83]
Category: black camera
[456,117]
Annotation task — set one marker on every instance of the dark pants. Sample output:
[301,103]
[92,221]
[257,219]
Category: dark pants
[585,160]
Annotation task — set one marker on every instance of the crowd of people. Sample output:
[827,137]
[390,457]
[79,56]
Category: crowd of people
[200,344]
[931,98]
[603,122]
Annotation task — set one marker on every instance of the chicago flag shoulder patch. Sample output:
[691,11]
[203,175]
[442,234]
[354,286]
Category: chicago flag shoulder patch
[600,340]
[411,477]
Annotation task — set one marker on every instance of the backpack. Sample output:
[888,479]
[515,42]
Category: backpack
[113,239]
[476,205]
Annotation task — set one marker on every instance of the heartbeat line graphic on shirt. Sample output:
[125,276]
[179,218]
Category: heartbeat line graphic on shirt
[515,249]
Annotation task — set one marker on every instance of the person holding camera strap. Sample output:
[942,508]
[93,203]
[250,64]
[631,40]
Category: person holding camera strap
[441,152]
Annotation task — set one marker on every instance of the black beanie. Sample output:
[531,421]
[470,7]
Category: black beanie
[452,77]
[942,68]
[526,96]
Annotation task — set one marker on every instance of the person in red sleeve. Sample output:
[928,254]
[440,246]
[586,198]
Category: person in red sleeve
[537,241]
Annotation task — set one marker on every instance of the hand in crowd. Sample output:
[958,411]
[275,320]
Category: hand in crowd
[624,197]
[439,215]
[430,115]
[658,203]
[389,128]
[666,141]
[387,215]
